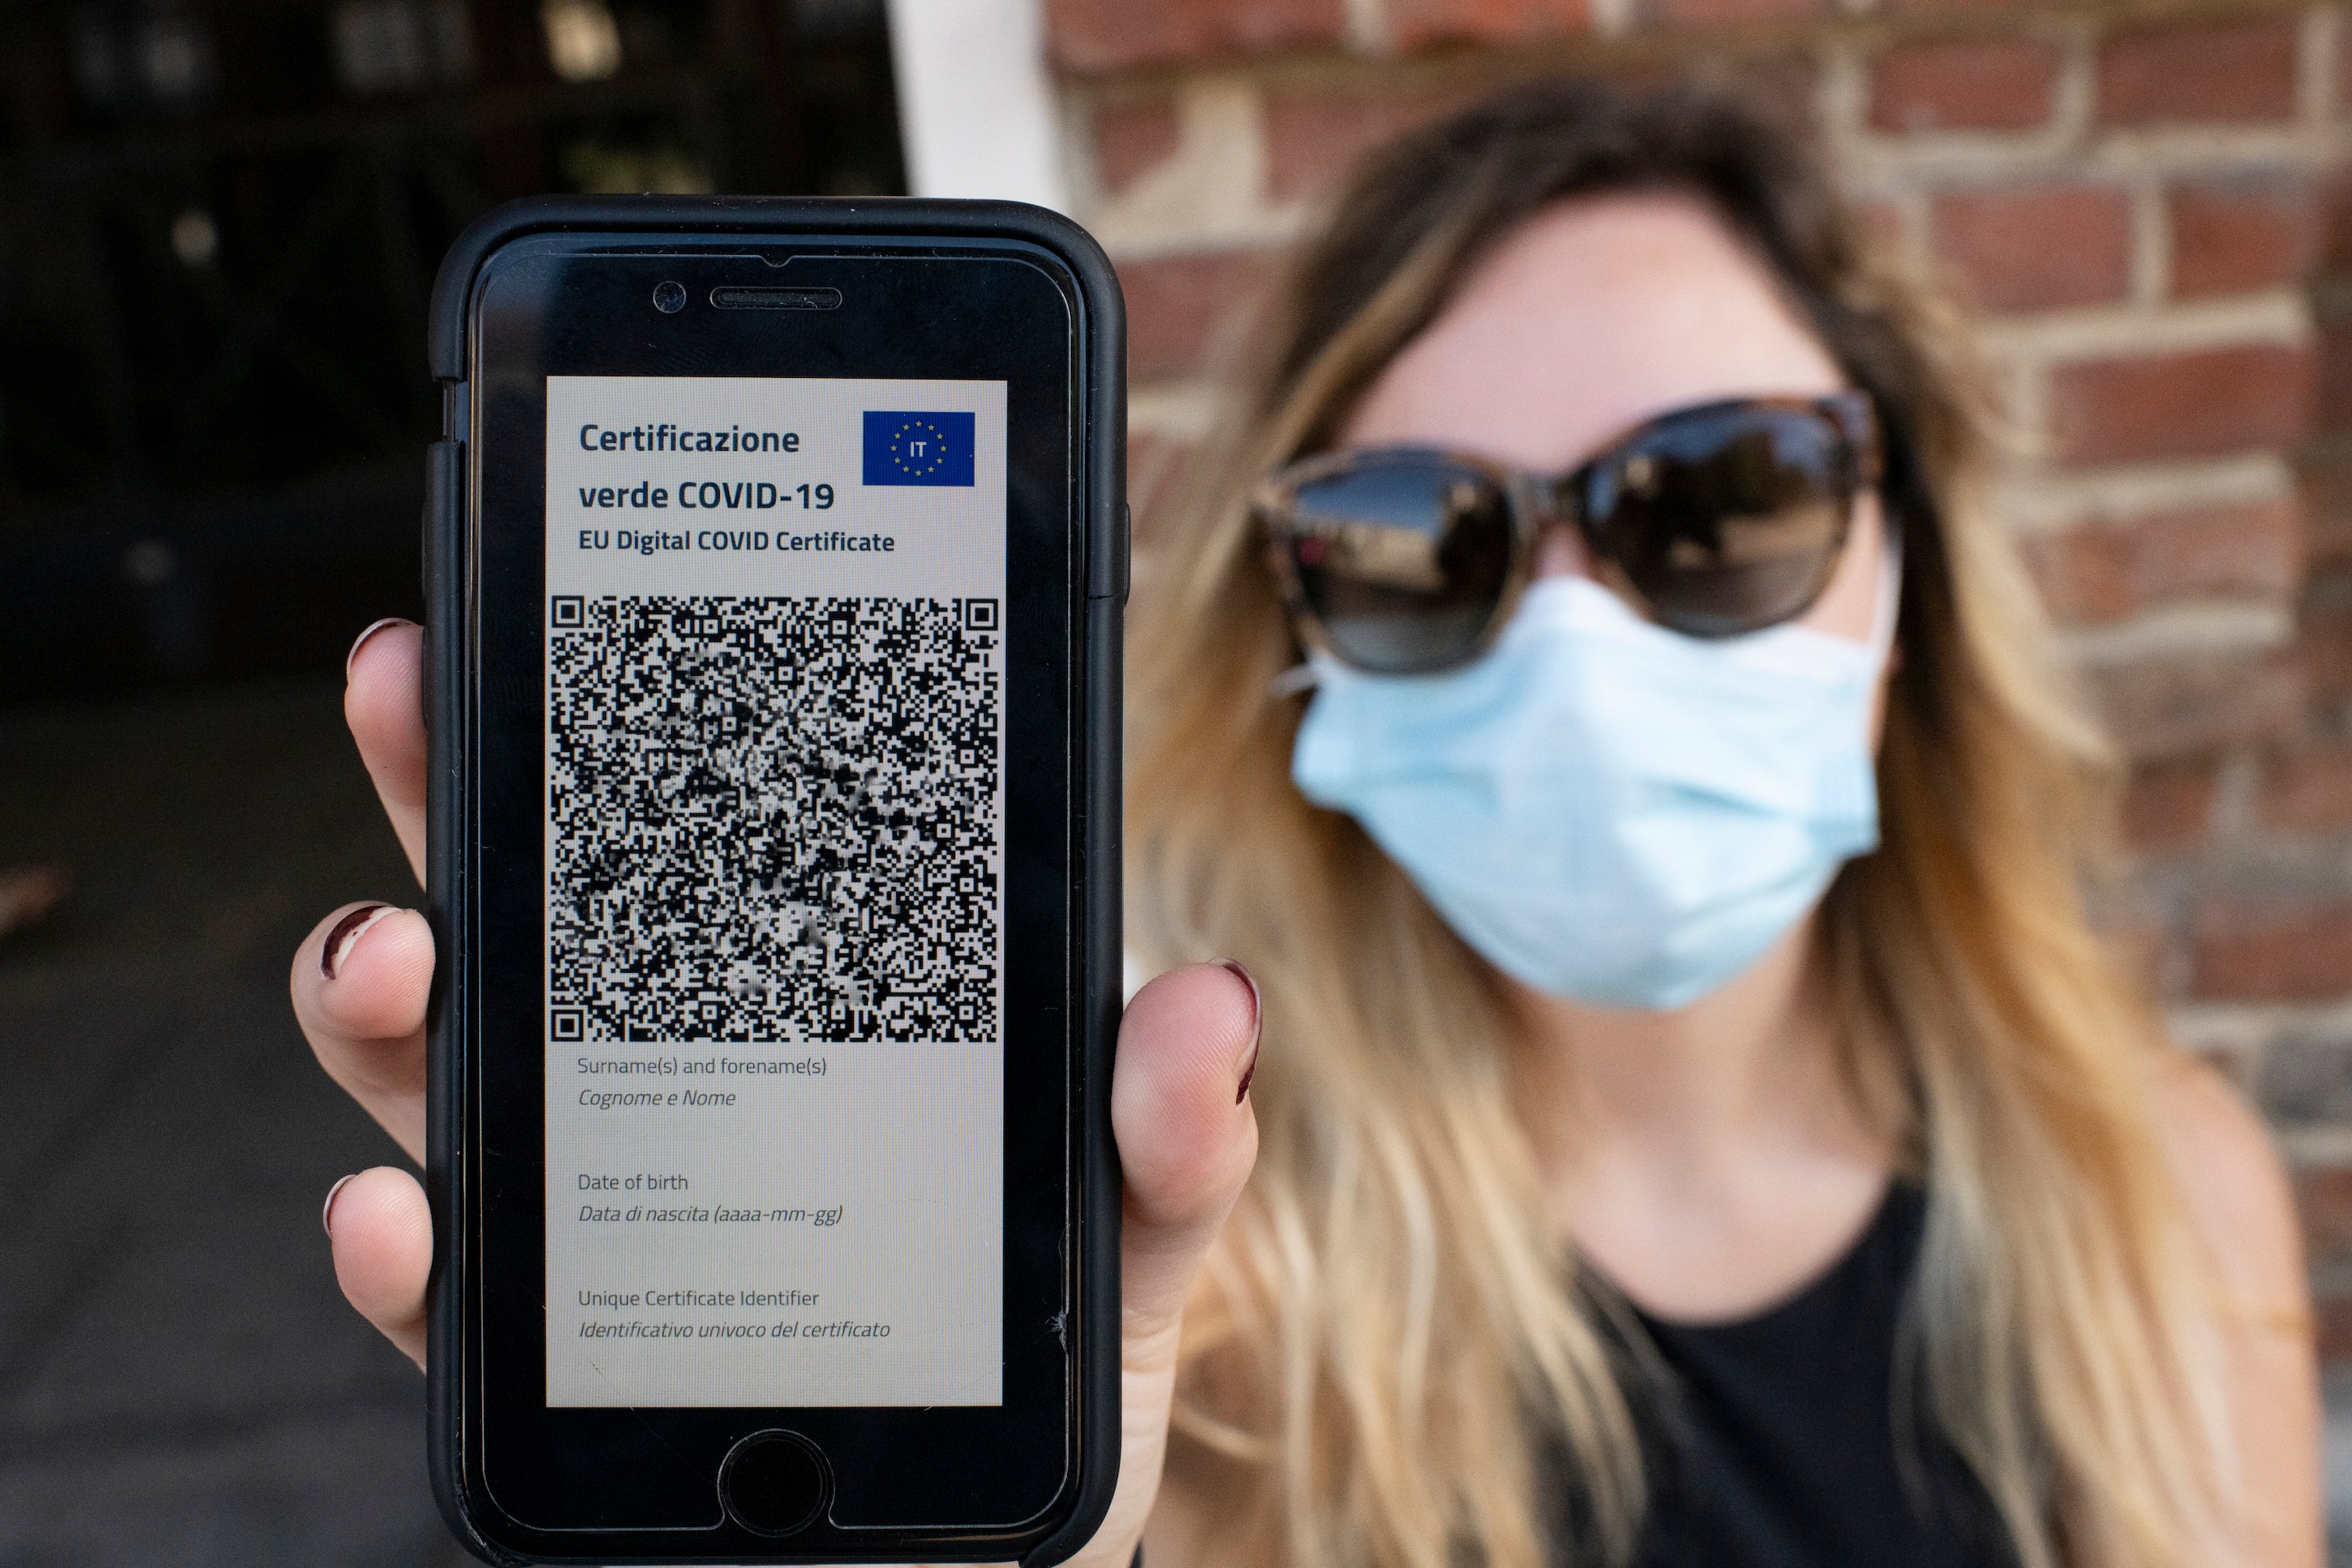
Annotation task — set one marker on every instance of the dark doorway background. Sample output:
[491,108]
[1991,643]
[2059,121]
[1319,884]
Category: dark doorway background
[218,223]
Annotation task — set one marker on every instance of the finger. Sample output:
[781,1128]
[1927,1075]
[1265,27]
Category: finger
[1187,1136]
[383,702]
[381,1234]
[360,983]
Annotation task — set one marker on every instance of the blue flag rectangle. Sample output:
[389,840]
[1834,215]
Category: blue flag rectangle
[913,447]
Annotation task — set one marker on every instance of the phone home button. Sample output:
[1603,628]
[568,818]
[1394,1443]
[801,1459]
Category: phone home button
[773,1482]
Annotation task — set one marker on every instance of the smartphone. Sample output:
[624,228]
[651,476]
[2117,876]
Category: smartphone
[775,561]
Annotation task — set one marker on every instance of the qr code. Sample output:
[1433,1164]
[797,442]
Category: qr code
[773,819]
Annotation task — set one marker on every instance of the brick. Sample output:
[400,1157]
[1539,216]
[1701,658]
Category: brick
[2202,72]
[2234,236]
[2169,808]
[2326,486]
[2109,569]
[2322,1199]
[2332,405]
[1968,84]
[2334,1315]
[1425,24]
[2333,217]
[2324,647]
[1181,308]
[2162,708]
[1716,13]
[2034,249]
[2273,952]
[1113,35]
[1313,136]
[2194,403]
[1132,138]
[2307,791]
[2342,66]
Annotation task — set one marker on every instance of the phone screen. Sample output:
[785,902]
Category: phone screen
[775,853]
[773,899]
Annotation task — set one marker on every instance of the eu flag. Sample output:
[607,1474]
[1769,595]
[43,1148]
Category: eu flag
[917,448]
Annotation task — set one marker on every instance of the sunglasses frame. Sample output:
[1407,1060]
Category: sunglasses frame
[1538,503]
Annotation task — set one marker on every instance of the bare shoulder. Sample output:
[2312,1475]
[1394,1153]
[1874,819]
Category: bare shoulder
[2243,1209]
[2234,1185]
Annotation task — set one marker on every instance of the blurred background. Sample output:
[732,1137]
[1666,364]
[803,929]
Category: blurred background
[220,222]
[218,219]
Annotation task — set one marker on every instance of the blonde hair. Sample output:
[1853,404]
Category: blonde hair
[1392,1357]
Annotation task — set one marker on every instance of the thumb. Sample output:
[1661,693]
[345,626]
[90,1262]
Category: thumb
[1187,1138]
[381,1234]
[1187,1135]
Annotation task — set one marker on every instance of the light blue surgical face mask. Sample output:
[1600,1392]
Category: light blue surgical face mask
[1607,810]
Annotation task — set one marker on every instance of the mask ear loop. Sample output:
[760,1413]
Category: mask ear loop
[1299,677]
[1889,607]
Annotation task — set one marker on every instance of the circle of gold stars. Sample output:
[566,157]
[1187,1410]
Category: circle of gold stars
[927,467]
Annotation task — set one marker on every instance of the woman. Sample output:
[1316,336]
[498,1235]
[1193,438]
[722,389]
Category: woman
[1696,1124]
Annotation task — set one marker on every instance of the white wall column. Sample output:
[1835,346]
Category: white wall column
[976,108]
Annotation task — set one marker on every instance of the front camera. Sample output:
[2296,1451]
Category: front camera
[669,298]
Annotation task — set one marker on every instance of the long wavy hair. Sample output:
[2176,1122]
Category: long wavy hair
[1394,1360]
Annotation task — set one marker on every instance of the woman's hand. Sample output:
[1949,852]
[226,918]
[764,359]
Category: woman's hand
[1178,1098]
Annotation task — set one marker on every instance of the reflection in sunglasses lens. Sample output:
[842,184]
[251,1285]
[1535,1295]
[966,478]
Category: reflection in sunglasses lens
[1726,524]
[1403,560]
[1714,521]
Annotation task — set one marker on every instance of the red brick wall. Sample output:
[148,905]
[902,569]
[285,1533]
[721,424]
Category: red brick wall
[2149,212]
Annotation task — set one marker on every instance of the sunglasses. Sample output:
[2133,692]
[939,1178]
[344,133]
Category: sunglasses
[1711,521]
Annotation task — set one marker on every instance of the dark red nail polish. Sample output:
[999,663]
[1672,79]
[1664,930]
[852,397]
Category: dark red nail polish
[1257,1027]
[332,952]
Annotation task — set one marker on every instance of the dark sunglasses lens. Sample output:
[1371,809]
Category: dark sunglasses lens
[1401,558]
[1726,522]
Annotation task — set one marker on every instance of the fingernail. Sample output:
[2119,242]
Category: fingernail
[352,658]
[1257,1027]
[347,932]
[327,1213]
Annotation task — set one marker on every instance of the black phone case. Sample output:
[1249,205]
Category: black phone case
[1103,518]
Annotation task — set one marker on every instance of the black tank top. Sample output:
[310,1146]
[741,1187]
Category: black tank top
[1777,1441]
